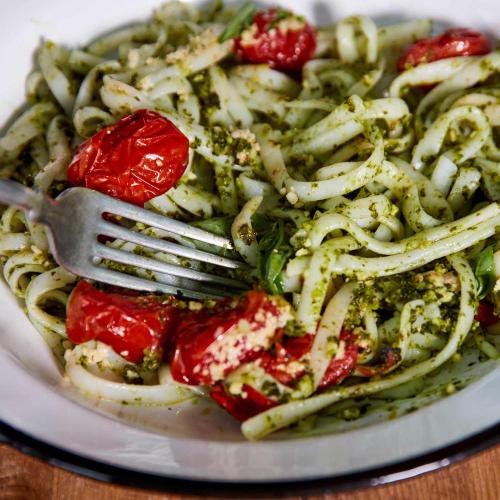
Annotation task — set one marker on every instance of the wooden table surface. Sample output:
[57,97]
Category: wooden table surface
[24,477]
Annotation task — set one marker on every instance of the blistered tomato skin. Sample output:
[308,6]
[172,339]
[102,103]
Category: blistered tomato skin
[286,351]
[486,314]
[340,368]
[295,348]
[285,46]
[210,344]
[454,42]
[242,408]
[131,325]
[138,158]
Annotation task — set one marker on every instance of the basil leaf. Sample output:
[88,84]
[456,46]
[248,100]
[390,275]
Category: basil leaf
[216,225]
[274,252]
[485,272]
[220,226]
[242,19]
[261,223]
[276,261]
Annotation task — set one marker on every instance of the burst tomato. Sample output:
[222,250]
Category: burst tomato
[242,407]
[141,156]
[211,343]
[279,38]
[452,43]
[287,351]
[283,367]
[132,325]
[340,368]
[486,314]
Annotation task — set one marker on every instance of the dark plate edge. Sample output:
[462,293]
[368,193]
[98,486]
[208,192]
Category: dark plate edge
[100,471]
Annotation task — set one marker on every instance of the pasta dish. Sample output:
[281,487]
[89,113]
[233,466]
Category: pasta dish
[355,167]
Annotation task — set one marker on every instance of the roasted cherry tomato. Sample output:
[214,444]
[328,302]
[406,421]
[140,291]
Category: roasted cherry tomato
[452,43]
[280,365]
[286,368]
[133,325]
[340,368]
[138,158]
[486,314]
[213,342]
[251,403]
[284,365]
[279,38]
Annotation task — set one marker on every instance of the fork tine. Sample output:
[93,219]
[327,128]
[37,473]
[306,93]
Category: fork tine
[123,280]
[132,259]
[166,246]
[149,218]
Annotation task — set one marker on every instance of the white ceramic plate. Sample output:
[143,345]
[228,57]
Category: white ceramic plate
[193,444]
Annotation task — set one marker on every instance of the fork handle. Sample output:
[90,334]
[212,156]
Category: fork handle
[14,193]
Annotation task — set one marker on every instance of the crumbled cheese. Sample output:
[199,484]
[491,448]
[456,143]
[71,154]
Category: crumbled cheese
[235,388]
[195,306]
[340,351]
[178,55]
[243,337]
[290,23]
[249,35]
[292,368]
[301,252]
[243,156]
[246,134]
[292,197]
[196,45]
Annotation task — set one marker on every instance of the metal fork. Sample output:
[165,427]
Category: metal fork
[74,220]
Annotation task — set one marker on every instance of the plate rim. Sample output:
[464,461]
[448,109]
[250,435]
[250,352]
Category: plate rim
[100,470]
[375,476]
